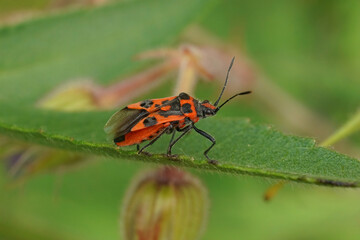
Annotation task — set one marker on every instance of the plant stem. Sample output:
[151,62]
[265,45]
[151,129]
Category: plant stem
[348,128]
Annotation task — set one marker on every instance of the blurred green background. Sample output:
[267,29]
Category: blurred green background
[308,48]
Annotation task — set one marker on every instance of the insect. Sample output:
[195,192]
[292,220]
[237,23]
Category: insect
[150,119]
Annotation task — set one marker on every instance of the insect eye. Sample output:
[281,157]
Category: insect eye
[208,112]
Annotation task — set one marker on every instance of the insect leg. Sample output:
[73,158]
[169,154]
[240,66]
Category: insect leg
[154,140]
[172,138]
[172,143]
[137,147]
[212,139]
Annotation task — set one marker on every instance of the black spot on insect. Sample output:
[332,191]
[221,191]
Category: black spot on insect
[146,103]
[175,105]
[186,108]
[184,96]
[150,121]
[157,105]
[165,102]
[119,139]
[164,113]
[174,108]
[175,122]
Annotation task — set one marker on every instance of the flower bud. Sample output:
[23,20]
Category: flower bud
[165,204]
[74,97]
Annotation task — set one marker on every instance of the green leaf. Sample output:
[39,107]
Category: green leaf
[39,55]
[241,147]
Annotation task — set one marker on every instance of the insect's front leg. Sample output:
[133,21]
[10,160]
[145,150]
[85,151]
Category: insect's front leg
[212,139]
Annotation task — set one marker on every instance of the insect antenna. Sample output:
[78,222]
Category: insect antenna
[238,94]
[227,76]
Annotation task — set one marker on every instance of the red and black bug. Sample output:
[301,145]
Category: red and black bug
[150,119]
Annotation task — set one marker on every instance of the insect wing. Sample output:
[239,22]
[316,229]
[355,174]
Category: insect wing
[142,115]
[122,121]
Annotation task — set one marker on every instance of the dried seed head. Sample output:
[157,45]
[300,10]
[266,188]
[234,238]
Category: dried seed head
[165,204]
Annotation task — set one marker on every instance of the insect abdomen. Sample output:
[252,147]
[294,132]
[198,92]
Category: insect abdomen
[136,137]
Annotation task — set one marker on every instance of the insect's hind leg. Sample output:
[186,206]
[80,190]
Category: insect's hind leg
[212,139]
[152,141]
[172,143]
